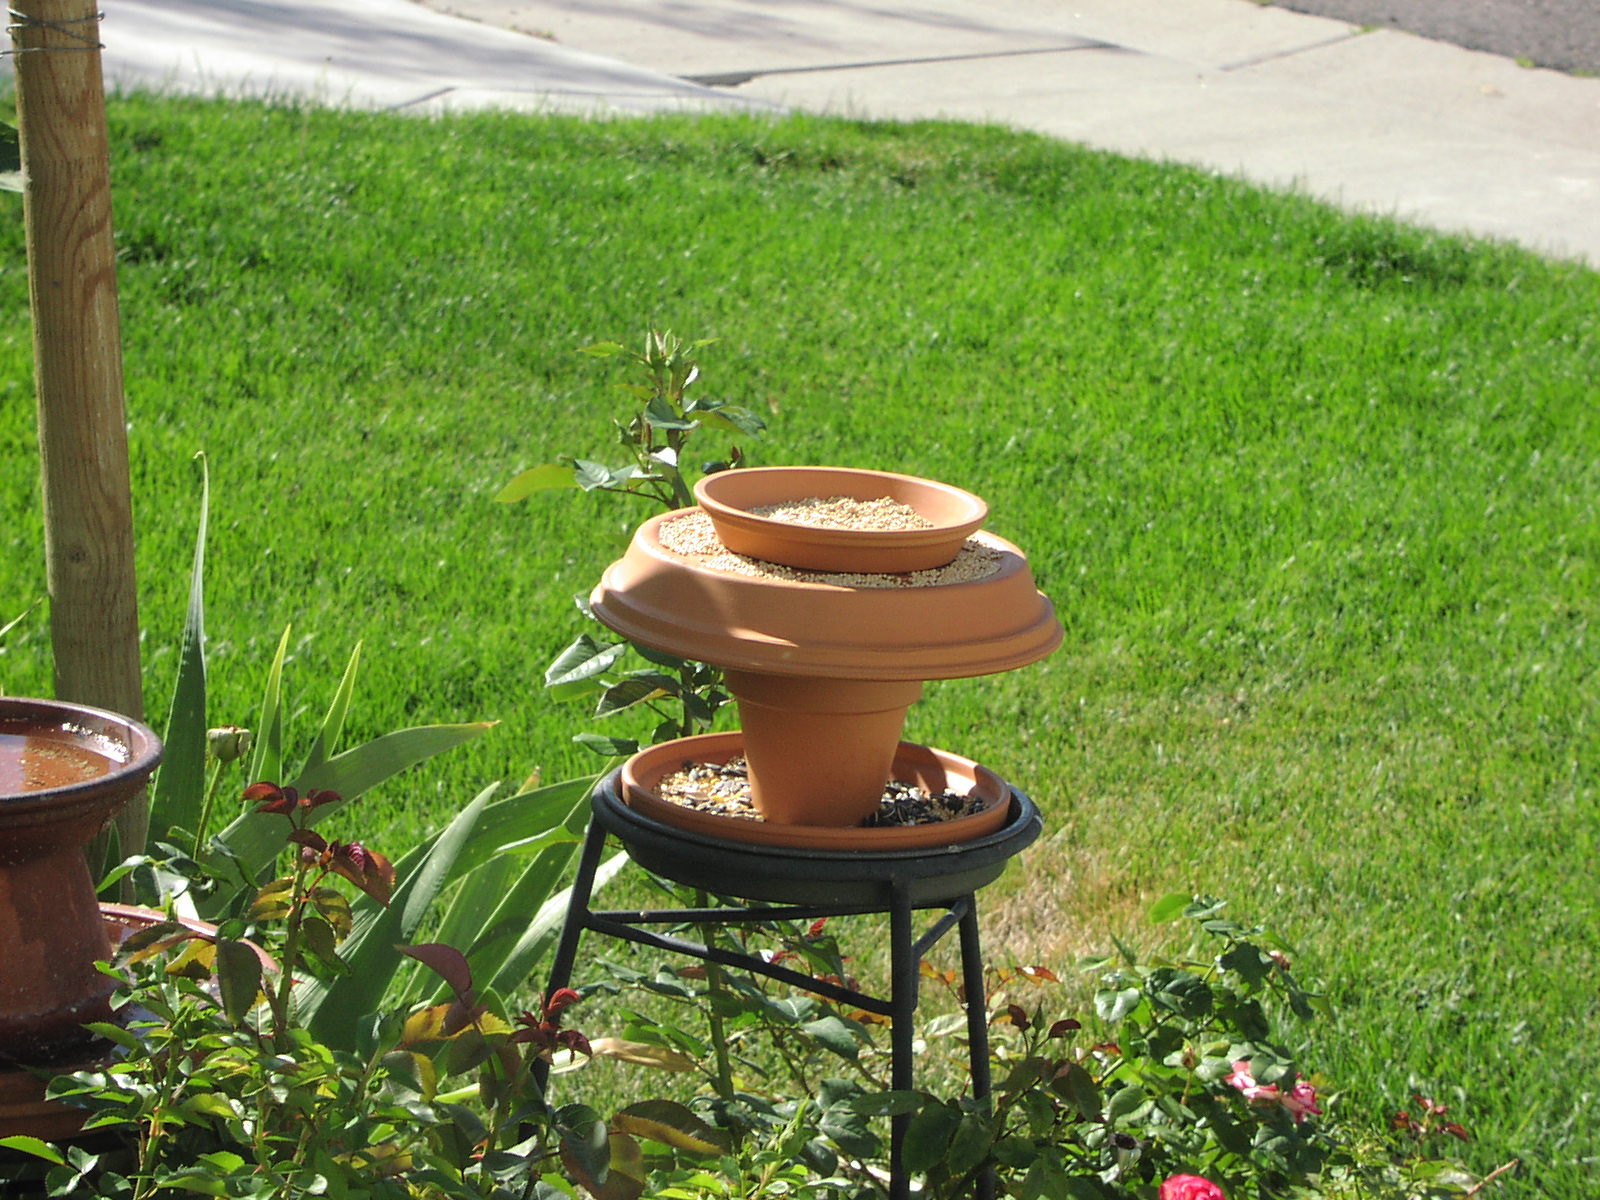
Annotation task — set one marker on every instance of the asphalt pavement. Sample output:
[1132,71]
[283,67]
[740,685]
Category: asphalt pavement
[1372,119]
[1563,34]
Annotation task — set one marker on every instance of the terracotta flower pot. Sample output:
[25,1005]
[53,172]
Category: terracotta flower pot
[819,750]
[823,667]
[65,770]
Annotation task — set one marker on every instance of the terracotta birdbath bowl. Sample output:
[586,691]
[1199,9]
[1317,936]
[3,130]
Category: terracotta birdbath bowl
[944,517]
[24,1105]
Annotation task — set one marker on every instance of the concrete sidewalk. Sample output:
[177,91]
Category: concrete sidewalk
[375,54]
[1378,121]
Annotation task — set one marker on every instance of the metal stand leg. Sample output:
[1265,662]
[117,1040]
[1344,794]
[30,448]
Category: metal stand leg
[972,983]
[906,953]
[577,920]
[902,1015]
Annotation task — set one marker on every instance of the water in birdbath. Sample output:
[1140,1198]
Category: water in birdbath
[35,758]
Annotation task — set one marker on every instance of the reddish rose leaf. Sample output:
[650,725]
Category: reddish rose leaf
[444,961]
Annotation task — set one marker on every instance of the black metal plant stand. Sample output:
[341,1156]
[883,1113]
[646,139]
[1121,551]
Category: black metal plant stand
[805,884]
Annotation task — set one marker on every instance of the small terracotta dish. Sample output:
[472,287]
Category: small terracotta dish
[931,769]
[729,496]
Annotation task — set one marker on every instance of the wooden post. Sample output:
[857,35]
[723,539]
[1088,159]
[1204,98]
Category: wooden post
[83,443]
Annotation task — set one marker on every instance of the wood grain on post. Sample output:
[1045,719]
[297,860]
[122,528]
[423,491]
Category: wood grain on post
[88,508]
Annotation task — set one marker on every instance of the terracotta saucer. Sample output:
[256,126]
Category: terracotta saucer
[728,497]
[982,626]
[929,768]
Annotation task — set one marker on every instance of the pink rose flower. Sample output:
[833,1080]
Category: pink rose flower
[1300,1102]
[1190,1187]
[1246,1083]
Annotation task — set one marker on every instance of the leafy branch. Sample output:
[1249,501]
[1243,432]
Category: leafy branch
[655,434]
[684,695]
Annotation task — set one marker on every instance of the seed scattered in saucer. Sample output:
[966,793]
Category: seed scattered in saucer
[723,790]
[844,512]
[692,536]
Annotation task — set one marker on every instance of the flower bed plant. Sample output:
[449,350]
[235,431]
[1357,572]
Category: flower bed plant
[1177,1085]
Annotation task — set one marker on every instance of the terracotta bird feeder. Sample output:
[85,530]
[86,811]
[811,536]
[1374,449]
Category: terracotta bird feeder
[826,638]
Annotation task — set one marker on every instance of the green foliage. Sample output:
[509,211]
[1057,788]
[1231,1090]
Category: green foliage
[219,1088]
[778,1071]
[14,622]
[655,436]
[11,177]
[1181,1070]
[503,906]
[178,794]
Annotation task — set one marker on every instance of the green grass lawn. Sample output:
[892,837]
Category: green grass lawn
[1315,497]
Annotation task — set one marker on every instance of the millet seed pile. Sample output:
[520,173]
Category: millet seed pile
[693,536]
[845,512]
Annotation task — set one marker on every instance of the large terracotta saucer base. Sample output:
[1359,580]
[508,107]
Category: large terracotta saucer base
[984,626]
[934,770]
[728,497]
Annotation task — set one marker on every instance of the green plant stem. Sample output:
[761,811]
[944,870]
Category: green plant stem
[686,722]
[205,809]
[304,1140]
[368,1070]
[460,1096]
[715,991]
[284,996]
[152,1130]
[665,503]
